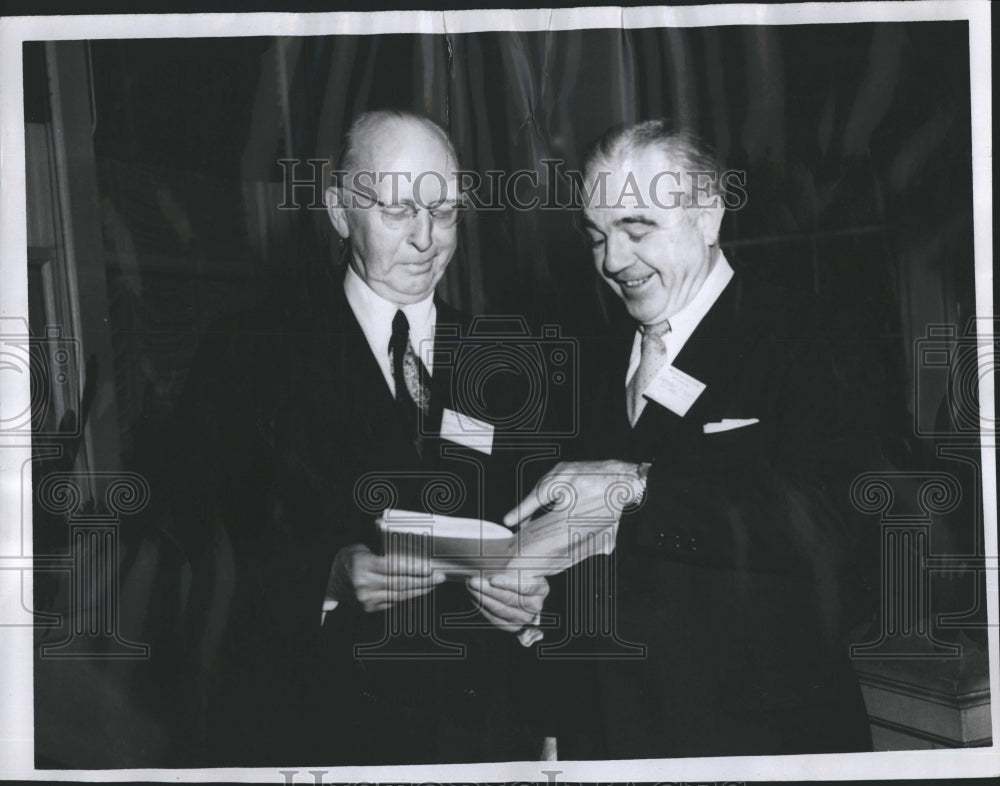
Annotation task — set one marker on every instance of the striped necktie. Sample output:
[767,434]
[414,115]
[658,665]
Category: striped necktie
[652,359]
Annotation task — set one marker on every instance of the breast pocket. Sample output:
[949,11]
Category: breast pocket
[744,436]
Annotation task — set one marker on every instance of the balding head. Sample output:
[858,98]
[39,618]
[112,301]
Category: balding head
[378,130]
[398,181]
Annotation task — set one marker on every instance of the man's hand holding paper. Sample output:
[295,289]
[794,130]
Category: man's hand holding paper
[510,600]
[377,582]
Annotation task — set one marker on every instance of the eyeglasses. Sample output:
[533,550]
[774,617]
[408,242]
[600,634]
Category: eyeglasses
[401,214]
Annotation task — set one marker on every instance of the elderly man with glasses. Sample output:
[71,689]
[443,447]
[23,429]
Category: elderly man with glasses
[337,653]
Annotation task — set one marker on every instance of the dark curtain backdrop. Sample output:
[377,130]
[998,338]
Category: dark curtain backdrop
[855,140]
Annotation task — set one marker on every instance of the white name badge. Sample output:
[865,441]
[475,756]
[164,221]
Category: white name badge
[465,430]
[674,389]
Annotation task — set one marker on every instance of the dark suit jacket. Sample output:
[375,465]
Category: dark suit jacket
[745,566]
[306,448]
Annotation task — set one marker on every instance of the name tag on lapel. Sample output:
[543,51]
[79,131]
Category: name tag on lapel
[674,389]
[465,430]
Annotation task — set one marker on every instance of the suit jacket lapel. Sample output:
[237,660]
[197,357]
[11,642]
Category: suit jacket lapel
[354,383]
[357,366]
[712,355]
[448,329]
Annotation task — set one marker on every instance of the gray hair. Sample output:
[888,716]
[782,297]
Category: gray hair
[682,147]
[368,124]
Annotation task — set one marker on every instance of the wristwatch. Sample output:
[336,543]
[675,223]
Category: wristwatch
[642,472]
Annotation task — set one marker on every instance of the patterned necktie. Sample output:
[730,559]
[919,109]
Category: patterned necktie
[411,378]
[653,358]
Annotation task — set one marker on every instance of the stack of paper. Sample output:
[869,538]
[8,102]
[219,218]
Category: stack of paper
[545,545]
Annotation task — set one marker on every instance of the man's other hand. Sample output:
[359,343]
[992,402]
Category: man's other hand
[509,600]
[576,487]
[360,576]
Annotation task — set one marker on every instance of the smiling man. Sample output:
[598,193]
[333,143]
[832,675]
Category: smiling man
[735,415]
[653,252]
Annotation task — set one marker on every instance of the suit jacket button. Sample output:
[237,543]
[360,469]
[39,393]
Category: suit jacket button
[693,545]
[661,539]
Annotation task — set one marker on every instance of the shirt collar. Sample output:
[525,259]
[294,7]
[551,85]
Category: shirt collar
[375,314]
[684,322]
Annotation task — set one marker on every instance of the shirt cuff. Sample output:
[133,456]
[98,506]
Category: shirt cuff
[328,606]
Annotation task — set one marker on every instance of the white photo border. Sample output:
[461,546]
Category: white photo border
[16,687]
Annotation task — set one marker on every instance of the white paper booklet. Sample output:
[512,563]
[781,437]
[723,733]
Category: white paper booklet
[545,545]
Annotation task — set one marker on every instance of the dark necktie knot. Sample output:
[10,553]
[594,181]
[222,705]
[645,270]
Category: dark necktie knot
[411,380]
[400,333]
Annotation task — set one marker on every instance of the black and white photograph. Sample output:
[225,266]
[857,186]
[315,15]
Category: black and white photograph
[511,395]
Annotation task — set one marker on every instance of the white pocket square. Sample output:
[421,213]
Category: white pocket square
[728,424]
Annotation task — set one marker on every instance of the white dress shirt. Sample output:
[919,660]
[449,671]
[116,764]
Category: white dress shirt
[684,322]
[375,314]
